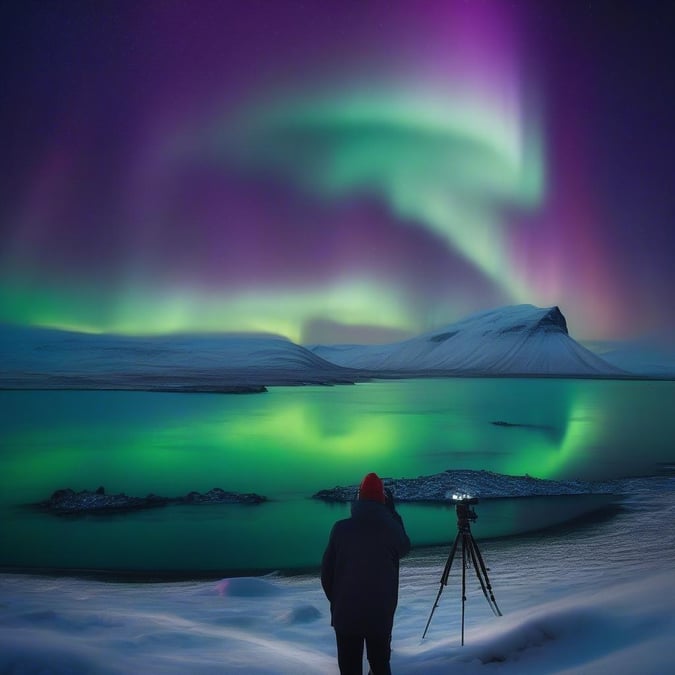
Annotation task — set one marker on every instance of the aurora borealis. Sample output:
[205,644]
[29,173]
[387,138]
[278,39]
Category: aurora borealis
[336,171]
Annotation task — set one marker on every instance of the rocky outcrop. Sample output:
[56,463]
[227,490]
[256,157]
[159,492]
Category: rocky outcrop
[67,501]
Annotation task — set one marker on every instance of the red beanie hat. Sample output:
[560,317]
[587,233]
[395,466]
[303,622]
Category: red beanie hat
[372,488]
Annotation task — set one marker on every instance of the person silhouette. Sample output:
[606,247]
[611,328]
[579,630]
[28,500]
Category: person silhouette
[360,577]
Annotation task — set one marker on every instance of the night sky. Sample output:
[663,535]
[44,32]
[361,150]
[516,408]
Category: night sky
[336,171]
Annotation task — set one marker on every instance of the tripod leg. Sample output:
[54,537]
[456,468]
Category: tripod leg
[444,581]
[481,573]
[464,542]
[448,564]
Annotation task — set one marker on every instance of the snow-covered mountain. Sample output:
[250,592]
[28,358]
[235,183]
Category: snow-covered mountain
[45,358]
[515,340]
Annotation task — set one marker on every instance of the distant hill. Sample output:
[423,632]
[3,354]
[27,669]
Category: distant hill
[45,358]
[648,357]
[515,340]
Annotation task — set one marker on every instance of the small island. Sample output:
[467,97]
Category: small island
[67,501]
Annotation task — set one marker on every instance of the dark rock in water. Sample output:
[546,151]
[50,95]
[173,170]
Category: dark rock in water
[522,425]
[219,496]
[67,501]
[440,487]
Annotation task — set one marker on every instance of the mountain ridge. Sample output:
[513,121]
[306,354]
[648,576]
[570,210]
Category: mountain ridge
[512,341]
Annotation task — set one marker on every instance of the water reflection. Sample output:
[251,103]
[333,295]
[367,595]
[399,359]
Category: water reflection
[291,442]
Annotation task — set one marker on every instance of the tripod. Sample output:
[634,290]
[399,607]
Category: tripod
[470,556]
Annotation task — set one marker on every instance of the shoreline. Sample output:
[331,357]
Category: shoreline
[263,385]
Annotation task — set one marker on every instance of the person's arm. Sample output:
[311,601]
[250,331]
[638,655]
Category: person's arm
[328,568]
[403,539]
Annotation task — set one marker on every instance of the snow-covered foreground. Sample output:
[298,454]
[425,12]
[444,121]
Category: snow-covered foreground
[596,599]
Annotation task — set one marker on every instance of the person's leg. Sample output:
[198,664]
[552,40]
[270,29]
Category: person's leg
[350,653]
[378,649]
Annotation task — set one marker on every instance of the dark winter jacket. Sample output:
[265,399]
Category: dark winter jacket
[359,570]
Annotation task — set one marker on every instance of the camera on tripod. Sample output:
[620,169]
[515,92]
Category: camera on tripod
[471,556]
[465,514]
[464,499]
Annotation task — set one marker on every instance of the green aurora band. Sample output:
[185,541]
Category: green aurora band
[450,164]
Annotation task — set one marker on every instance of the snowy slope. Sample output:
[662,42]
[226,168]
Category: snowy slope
[516,340]
[652,358]
[43,357]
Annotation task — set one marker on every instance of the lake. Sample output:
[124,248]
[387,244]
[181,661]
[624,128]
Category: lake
[291,442]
